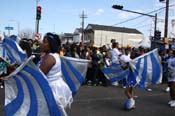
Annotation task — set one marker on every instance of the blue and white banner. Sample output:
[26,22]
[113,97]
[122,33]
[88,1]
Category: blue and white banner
[74,72]
[27,91]
[147,69]
[144,70]
[12,51]
[115,72]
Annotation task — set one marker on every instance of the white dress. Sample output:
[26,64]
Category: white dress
[60,89]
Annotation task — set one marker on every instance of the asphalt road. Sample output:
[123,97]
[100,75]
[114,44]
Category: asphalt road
[108,101]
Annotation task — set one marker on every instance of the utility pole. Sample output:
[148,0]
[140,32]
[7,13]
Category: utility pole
[155,24]
[82,16]
[166,19]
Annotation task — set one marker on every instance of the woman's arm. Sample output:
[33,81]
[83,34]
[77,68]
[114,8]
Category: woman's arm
[47,64]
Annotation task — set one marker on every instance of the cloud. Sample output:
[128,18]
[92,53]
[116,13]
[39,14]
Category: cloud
[99,12]
[126,15]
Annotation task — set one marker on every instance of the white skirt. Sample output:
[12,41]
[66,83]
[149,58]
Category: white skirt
[61,92]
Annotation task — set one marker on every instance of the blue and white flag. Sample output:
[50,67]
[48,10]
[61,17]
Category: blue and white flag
[74,72]
[27,92]
[147,69]
[12,51]
[115,72]
[144,70]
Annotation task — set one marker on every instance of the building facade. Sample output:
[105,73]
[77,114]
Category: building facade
[100,35]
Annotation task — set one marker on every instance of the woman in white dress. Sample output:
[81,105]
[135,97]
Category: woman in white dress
[50,65]
[171,79]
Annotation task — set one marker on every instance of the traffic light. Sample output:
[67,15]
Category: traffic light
[161,0]
[38,12]
[157,35]
[117,7]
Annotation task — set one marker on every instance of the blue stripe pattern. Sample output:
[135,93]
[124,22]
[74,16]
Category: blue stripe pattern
[156,73]
[115,72]
[139,72]
[136,71]
[29,72]
[44,85]
[33,104]
[8,42]
[71,73]
[120,77]
[144,73]
[13,106]
[68,79]
[76,73]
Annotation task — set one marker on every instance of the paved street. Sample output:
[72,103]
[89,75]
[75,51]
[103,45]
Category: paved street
[108,101]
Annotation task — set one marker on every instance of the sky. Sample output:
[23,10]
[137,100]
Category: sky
[63,16]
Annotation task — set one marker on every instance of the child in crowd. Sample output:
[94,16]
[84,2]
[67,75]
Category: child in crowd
[128,83]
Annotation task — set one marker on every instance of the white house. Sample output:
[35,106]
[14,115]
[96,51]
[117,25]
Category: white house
[100,35]
[77,35]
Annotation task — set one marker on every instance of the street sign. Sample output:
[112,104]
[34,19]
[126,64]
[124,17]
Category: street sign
[8,28]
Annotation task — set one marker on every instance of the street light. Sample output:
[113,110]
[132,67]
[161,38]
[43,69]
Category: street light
[119,7]
[161,0]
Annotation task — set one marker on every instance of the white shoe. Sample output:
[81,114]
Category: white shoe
[132,102]
[172,104]
[149,89]
[2,86]
[167,89]
[124,87]
[115,83]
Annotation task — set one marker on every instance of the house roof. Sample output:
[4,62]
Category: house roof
[67,35]
[78,30]
[112,28]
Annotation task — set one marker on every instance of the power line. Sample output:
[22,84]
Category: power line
[143,21]
[142,15]
[143,26]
